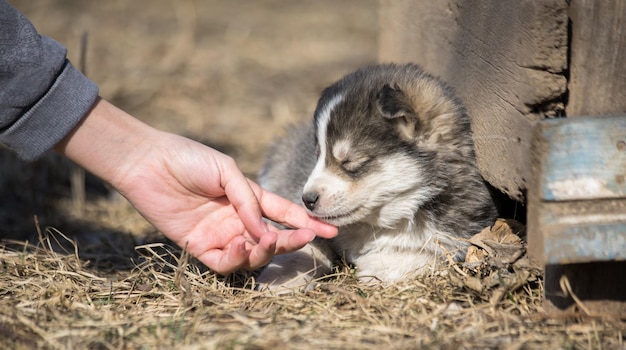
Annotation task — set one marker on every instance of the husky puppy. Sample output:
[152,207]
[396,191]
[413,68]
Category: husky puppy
[389,159]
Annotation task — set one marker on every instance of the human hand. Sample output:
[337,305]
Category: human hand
[199,198]
[193,194]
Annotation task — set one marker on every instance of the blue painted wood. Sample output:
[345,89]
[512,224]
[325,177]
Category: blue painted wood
[585,158]
[586,243]
[577,201]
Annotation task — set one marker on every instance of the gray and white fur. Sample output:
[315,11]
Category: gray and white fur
[389,159]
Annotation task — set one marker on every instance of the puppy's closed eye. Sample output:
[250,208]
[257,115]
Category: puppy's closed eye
[354,165]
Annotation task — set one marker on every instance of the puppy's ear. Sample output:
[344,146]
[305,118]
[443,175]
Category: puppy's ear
[393,104]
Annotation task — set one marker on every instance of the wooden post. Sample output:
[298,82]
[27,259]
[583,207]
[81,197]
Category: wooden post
[597,84]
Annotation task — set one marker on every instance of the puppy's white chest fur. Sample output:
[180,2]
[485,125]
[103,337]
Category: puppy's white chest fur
[386,255]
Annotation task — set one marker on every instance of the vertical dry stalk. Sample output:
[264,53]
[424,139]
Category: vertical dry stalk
[77,179]
[180,279]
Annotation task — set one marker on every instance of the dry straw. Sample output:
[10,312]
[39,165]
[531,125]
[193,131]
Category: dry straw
[51,297]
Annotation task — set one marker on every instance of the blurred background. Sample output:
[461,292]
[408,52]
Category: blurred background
[230,74]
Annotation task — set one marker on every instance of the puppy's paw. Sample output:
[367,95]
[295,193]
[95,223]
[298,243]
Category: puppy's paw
[279,279]
[294,272]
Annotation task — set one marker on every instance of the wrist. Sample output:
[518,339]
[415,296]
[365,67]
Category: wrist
[108,142]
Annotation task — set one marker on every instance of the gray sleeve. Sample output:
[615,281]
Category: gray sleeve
[42,96]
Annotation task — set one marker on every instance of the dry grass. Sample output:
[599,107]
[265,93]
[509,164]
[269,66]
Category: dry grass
[231,74]
[56,300]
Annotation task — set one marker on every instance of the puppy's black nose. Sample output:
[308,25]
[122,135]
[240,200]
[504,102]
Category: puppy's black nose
[310,199]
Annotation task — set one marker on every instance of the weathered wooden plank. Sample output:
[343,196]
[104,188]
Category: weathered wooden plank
[577,213]
[505,58]
[586,243]
[597,83]
[584,159]
[576,231]
[577,201]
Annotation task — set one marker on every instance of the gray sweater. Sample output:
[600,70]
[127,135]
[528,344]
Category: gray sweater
[42,96]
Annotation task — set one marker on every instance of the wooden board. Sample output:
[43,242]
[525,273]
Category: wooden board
[577,203]
[506,59]
[597,83]
[583,159]
[577,213]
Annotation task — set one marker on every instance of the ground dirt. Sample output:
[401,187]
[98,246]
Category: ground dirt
[232,74]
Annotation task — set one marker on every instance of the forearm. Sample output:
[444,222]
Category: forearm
[107,142]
